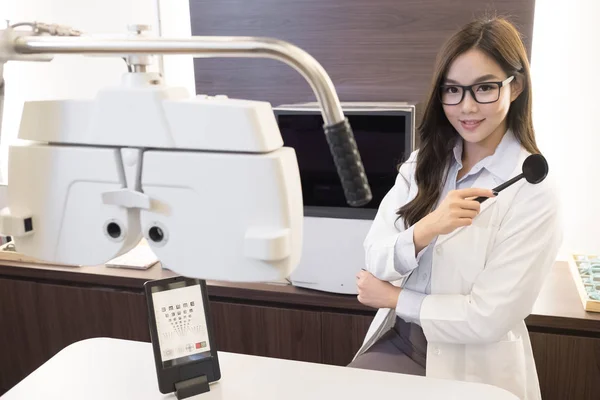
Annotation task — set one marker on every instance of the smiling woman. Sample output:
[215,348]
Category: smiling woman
[454,279]
[485,50]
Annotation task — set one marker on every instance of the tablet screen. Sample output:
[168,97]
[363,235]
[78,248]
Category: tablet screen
[181,322]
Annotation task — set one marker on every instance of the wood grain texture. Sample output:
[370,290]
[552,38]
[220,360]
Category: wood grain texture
[342,336]
[568,366]
[21,347]
[267,331]
[376,50]
[558,306]
[38,320]
[74,313]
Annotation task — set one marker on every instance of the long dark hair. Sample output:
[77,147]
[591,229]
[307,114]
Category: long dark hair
[501,41]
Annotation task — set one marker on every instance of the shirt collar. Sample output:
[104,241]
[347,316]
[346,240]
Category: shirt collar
[501,163]
[458,149]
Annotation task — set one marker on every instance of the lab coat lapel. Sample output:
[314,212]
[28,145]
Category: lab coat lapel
[486,181]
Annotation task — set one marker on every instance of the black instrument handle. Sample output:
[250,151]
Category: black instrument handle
[501,187]
[348,163]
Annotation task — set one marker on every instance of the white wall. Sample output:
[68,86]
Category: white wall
[81,77]
[565,67]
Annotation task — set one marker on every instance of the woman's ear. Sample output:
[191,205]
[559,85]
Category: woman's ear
[516,87]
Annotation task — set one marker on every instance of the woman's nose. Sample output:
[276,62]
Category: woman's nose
[469,105]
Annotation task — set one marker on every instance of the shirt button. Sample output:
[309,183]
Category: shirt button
[438,250]
[437,352]
[424,277]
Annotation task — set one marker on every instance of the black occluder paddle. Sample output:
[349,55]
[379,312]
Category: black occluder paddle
[535,170]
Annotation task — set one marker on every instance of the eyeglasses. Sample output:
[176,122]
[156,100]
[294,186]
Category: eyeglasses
[483,93]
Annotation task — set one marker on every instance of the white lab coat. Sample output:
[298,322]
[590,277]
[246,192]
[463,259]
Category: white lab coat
[485,280]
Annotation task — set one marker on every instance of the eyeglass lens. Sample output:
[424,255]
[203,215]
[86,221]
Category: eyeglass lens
[484,93]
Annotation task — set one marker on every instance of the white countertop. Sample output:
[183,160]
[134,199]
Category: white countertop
[115,369]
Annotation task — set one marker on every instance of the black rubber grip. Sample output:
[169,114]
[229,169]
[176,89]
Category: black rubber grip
[348,163]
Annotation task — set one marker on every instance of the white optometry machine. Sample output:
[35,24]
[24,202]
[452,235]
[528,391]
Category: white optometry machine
[206,180]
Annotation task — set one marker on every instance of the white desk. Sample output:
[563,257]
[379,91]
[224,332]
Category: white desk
[118,369]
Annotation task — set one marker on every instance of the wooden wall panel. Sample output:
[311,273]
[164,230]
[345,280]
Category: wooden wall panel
[267,331]
[374,50]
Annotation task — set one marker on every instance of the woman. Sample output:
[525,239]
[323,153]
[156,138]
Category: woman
[454,279]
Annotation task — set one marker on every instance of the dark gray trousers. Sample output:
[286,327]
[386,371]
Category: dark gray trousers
[402,349]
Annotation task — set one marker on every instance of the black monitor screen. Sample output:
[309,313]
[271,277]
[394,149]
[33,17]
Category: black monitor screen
[381,143]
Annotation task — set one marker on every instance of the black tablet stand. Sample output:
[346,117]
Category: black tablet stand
[191,387]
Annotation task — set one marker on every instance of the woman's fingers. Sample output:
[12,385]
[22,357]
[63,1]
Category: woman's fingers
[470,205]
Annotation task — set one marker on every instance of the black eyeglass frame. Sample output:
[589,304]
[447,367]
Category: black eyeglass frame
[470,89]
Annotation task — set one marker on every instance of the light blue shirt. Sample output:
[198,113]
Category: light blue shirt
[418,285]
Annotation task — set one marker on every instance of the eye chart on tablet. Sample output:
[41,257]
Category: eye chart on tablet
[181,323]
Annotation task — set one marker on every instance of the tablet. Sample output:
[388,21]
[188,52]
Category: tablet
[182,338]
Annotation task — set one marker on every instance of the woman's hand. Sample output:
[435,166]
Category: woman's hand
[456,210]
[376,293]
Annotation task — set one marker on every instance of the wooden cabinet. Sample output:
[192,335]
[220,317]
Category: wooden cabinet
[74,313]
[342,335]
[568,366]
[21,346]
[38,320]
[267,331]
[45,309]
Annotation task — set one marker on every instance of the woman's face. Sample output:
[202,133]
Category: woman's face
[476,122]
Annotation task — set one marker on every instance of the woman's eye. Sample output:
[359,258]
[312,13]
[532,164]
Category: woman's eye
[485,88]
[451,89]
